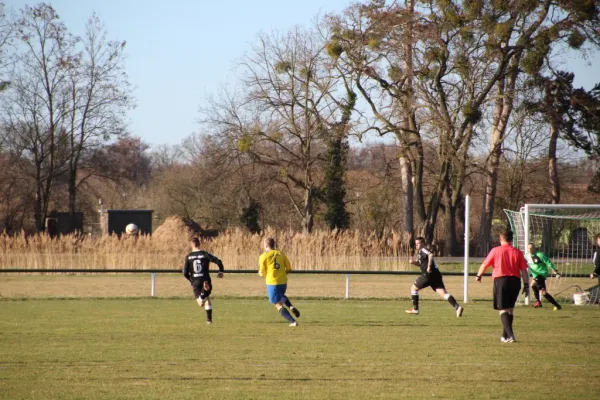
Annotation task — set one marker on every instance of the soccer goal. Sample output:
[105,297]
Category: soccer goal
[566,234]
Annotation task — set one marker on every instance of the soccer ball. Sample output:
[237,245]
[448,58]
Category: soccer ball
[131,229]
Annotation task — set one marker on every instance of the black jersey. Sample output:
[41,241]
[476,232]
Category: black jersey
[423,260]
[596,259]
[196,265]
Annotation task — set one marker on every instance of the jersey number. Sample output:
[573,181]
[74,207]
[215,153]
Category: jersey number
[197,265]
[276,264]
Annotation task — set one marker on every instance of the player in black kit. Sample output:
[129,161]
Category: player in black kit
[430,276]
[195,270]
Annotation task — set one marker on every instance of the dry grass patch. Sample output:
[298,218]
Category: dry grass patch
[322,250]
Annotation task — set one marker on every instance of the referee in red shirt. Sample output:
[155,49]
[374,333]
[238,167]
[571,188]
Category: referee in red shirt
[509,266]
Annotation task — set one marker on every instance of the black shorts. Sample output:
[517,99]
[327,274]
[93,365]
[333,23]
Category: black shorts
[434,280]
[199,291]
[506,292]
[540,282]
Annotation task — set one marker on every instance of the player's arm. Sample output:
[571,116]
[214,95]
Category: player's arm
[549,264]
[596,272]
[262,265]
[524,274]
[412,261]
[429,262]
[186,270]
[488,262]
[525,277]
[288,266]
[219,263]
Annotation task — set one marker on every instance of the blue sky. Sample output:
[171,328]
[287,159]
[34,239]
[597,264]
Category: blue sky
[181,51]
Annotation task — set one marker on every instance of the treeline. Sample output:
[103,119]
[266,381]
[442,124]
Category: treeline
[467,97]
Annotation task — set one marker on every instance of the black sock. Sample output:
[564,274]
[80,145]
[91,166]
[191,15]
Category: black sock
[286,314]
[549,297]
[536,292]
[288,303]
[415,300]
[209,315]
[452,302]
[506,323]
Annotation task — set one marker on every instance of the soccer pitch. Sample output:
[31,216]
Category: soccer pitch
[343,349]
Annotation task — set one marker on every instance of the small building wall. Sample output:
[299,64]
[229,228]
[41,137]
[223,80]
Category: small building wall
[63,223]
[117,220]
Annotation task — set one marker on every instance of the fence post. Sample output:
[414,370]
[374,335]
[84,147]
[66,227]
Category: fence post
[347,286]
[153,274]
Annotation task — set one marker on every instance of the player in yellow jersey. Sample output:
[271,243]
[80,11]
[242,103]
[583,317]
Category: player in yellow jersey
[274,266]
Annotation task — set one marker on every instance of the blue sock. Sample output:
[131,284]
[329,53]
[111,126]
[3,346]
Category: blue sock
[285,313]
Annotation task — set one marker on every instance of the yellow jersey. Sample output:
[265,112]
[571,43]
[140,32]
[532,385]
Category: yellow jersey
[274,266]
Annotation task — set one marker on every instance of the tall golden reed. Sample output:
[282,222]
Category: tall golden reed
[321,250]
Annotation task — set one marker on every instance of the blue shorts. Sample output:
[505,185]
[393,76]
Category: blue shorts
[276,292]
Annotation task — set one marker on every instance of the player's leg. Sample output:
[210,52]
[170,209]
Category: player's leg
[204,300]
[276,296]
[208,309]
[419,284]
[506,317]
[536,293]
[505,297]
[441,290]
[550,298]
[199,293]
[512,289]
[289,305]
[285,313]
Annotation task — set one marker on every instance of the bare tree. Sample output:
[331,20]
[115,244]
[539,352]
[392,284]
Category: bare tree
[35,112]
[365,43]
[524,147]
[525,36]
[424,80]
[6,36]
[99,96]
[285,113]
[15,195]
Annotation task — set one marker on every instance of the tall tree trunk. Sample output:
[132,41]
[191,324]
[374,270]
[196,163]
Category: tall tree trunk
[308,213]
[552,165]
[502,112]
[427,229]
[408,227]
[451,244]
[490,192]
[72,189]
[39,218]
[406,170]
[418,158]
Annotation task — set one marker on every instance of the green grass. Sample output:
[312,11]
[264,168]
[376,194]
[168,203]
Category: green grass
[361,349]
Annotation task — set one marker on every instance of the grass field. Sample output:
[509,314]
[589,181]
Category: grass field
[358,349]
[247,285]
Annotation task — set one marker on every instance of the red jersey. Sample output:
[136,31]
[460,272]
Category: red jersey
[506,261]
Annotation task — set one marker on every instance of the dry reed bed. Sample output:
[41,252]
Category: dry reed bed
[321,250]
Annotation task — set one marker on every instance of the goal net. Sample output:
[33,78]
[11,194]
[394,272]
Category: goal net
[566,234]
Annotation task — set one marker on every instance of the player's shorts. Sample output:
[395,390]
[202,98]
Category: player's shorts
[506,292]
[540,282]
[276,293]
[434,280]
[199,291]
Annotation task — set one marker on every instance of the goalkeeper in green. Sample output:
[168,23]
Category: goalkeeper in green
[539,266]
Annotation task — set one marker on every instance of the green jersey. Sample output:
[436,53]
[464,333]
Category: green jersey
[539,264]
